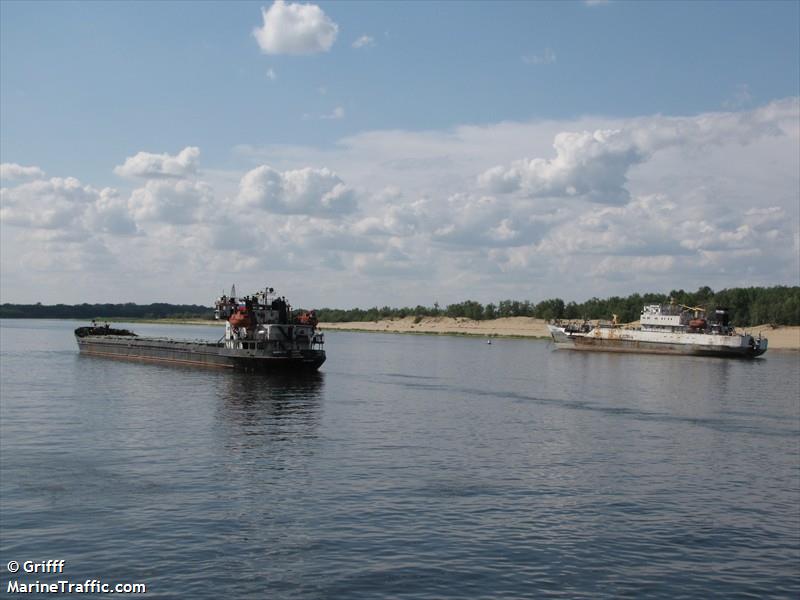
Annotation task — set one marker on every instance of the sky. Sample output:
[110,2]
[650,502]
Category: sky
[396,153]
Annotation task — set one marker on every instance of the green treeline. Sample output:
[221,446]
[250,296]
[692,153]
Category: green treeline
[779,305]
[159,310]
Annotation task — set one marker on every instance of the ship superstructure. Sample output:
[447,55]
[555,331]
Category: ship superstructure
[266,324]
[262,334]
[663,329]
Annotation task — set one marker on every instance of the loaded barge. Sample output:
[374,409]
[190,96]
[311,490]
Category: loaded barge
[262,334]
[663,329]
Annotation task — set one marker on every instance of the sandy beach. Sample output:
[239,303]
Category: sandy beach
[780,338]
[506,327]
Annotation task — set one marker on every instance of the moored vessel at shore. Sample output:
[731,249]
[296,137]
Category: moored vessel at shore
[663,329]
[262,334]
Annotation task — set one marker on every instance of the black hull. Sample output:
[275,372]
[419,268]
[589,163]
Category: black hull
[200,354]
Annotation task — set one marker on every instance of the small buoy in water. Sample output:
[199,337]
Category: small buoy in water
[489,342]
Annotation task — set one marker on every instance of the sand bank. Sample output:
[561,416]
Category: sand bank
[506,327]
[780,338]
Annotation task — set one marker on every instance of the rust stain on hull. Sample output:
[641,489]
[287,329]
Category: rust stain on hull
[614,344]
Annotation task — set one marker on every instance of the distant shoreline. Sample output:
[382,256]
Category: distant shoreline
[782,337]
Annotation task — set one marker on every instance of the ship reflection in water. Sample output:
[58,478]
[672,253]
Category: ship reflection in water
[262,410]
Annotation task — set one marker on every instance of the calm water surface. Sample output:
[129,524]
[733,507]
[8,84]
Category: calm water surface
[410,467]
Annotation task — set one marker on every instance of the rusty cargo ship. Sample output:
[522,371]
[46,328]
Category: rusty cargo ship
[262,334]
[663,329]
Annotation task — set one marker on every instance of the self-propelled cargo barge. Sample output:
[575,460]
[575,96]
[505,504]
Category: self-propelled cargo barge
[663,329]
[262,334]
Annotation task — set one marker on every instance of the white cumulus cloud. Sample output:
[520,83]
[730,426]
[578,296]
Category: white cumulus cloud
[592,164]
[57,203]
[595,165]
[160,166]
[303,191]
[15,171]
[390,214]
[109,214]
[295,29]
[65,205]
[174,202]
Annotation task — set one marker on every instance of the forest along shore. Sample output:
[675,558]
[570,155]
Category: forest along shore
[780,337]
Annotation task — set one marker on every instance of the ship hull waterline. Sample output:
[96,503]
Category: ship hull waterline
[639,347]
[617,343]
[208,355]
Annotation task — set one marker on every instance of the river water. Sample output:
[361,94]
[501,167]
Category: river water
[410,467]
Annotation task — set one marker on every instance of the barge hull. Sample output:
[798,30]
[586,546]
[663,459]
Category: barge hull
[199,354]
[644,347]
[624,344]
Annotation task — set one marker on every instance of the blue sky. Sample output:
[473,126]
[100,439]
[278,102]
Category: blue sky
[408,123]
